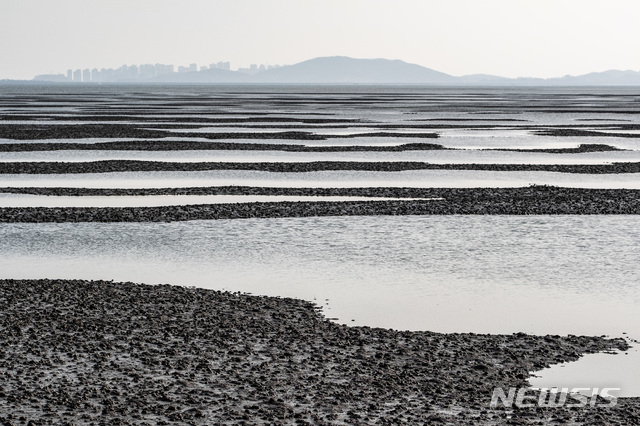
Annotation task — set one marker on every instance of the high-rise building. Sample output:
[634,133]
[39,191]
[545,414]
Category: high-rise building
[163,69]
[141,72]
[132,72]
[107,74]
[147,71]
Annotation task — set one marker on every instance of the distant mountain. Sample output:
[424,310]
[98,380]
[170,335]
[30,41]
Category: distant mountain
[606,78]
[344,70]
[341,69]
[483,80]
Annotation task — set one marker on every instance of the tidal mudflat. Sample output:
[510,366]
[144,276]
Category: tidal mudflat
[86,352]
[533,161]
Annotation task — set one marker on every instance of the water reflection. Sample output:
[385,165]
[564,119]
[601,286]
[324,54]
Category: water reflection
[27,200]
[236,156]
[364,263]
[496,274]
[325,179]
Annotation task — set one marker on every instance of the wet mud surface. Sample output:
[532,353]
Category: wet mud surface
[85,352]
[239,146]
[80,352]
[515,201]
[152,145]
[107,166]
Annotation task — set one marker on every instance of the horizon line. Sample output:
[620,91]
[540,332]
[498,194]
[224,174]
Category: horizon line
[259,68]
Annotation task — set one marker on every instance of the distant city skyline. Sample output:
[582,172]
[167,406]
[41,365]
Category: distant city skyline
[140,72]
[322,70]
[536,38]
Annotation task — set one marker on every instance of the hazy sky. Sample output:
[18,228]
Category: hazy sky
[511,38]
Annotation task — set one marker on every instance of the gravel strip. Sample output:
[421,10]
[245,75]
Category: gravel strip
[155,145]
[151,145]
[534,200]
[582,148]
[106,166]
[136,114]
[587,133]
[41,131]
[546,193]
[76,131]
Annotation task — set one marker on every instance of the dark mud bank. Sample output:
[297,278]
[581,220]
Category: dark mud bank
[81,352]
[111,166]
[533,200]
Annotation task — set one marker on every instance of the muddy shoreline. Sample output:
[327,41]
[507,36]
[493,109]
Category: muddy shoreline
[98,352]
[233,146]
[121,353]
[163,145]
[110,166]
[533,200]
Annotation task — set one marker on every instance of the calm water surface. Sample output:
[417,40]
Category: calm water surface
[436,156]
[486,274]
[323,179]
[28,200]
[497,274]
